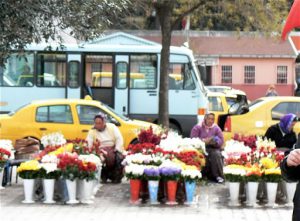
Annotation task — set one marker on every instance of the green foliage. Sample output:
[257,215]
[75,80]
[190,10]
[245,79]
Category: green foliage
[253,178]
[87,175]
[234,178]
[272,178]
[52,175]
[132,176]
[29,174]
[71,173]
[25,21]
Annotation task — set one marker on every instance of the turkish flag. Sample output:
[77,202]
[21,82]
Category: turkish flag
[293,19]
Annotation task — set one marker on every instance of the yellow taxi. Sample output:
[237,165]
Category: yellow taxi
[262,113]
[72,117]
[220,102]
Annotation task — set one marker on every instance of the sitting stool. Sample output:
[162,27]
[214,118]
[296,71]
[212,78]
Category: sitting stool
[8,170]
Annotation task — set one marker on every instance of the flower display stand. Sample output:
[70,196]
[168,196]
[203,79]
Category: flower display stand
[171,190]
[87,191]
[290,192]
[153,190]
[135,187]
[271,193]
[234,188]
[190,188]
[48,190]
[28,190]
[252,188]
[71,187]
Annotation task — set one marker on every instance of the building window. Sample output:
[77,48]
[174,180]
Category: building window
[249,75]
[281,74]
[227,74]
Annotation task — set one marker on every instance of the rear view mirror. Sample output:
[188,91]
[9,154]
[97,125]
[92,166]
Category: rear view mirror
[115,122]
[233,108]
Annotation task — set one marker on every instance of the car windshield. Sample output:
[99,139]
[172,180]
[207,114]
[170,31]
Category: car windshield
[116,113]
[15,111]
[255,103]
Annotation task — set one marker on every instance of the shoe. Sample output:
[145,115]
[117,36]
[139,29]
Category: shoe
[220,180]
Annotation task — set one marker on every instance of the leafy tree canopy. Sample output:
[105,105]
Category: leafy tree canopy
[26,21]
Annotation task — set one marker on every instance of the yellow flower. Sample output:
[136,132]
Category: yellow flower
[65,148]
[268,163]
[29,165]
[275,171]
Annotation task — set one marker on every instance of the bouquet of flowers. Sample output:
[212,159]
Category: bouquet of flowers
[88,166]
[49,168]
[151,173]
[69,165]
[234,173]
[63,149]
[253,173]
[144,148]
[271,170]
[170,170]
[249,141]
[191,174]
[134,171]
[265,145]
[272,175]
[5,152]
[192,158]
[151,136]
[29,169]
[80,146]
[53,139]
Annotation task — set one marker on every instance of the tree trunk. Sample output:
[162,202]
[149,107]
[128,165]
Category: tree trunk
[165,15]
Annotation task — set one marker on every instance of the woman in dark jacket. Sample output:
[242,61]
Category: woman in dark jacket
[282,133]
[290,169]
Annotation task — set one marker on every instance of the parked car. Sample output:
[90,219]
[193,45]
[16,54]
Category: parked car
[220,102]
[72,117]
[262,113]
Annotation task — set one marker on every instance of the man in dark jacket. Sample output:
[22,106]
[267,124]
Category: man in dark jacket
[290,169]
[282,133]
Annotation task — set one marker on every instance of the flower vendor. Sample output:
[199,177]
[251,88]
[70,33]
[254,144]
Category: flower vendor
[290,170]
[282,133]
[212,136]
[111,145]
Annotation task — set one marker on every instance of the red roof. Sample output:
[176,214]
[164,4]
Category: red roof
[229,46]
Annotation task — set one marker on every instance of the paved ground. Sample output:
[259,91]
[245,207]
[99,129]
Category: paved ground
[112,203]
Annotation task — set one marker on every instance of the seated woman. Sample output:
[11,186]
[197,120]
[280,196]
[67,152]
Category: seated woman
[212,136]
[282,133]
[111,144]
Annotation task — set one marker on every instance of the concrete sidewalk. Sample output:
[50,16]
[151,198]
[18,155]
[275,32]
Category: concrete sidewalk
[112,202]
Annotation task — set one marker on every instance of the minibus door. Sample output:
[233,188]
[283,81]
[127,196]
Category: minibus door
[121,84]
[73,79]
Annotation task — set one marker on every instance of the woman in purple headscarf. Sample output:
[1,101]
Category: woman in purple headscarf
[282,133]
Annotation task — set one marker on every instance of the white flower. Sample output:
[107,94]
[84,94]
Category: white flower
[192,174]
[49,159]
[53,139]
[135,169]
[49,167]
[7,145]
[170,164]
[234,171]
[265,144]
[233,146]
[90,158]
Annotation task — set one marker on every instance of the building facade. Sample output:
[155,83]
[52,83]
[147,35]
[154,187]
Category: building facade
[247,62]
